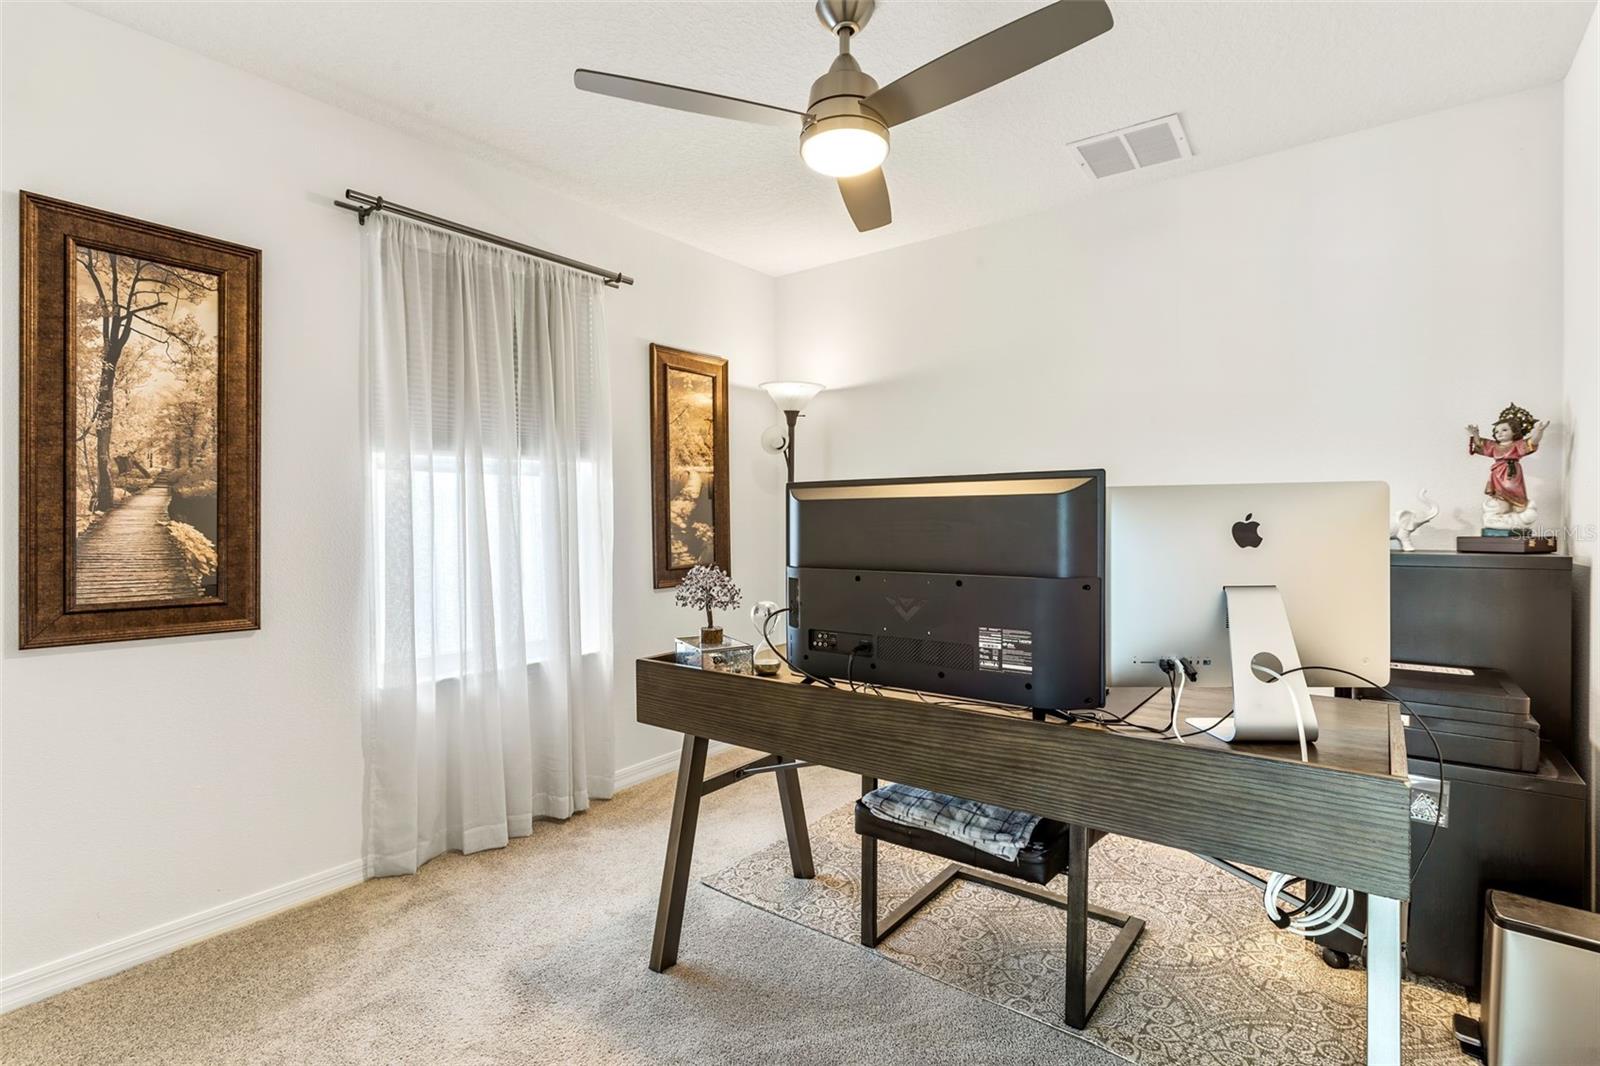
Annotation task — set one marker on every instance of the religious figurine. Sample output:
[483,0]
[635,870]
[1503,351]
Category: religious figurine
[1506,506]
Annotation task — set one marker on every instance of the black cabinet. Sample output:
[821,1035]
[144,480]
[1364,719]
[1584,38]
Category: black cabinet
[1503,829]
[1511,612]
[1508,830]
[1524,832]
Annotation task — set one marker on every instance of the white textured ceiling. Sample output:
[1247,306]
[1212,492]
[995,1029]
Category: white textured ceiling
[1247,77]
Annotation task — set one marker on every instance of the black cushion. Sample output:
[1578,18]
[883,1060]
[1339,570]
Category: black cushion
[1042,860]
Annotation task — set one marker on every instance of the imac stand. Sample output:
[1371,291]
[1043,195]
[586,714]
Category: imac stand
[1259,635]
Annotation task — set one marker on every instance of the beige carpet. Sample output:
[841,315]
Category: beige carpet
[1210,982]
[536,954]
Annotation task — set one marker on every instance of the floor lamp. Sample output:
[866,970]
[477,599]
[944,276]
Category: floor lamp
[791,398]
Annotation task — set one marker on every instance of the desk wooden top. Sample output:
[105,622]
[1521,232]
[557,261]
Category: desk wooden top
[1343,818]
[1357,736]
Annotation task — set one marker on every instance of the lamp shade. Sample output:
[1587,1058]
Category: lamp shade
[791,395]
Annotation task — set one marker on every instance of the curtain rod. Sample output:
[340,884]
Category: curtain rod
[364,204]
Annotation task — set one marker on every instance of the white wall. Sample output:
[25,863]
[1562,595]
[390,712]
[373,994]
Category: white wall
[1339,310]
[148,781]
[1581,206]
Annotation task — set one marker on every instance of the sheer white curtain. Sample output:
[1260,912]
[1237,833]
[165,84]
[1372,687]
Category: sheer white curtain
[489,533]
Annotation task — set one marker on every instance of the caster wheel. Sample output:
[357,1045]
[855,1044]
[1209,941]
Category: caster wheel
[1338,960]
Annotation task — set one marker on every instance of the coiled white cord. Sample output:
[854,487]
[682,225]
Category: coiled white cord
[1315,921]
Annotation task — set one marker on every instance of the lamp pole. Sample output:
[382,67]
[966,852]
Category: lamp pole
[789,397]
[788,449]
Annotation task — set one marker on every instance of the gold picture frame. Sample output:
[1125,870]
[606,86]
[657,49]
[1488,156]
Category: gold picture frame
[140,418]
[688,463]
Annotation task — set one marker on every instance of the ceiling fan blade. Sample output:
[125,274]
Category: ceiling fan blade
[866,197]
[991,59]
[681,99]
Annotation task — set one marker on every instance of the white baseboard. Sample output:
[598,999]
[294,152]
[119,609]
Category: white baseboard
[29,986]
[640,772]
[665,763]
[41,982]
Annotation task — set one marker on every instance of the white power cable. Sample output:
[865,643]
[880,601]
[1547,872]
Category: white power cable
[1337,920]
[1177,700]
[1331,912]
[1322,919]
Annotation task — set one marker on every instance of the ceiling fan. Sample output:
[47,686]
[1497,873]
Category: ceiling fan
[844,130]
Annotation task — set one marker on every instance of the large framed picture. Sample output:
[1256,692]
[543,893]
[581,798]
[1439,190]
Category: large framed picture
[688,462]
[140,416]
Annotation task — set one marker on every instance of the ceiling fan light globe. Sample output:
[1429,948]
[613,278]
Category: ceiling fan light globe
[844,147]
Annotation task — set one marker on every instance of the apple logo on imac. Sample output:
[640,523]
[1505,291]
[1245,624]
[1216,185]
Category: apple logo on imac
[1247,534]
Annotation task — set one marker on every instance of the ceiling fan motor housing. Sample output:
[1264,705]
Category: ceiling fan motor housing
[836,101]
[841,15]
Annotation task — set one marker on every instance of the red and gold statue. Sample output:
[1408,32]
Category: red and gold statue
[1506,505]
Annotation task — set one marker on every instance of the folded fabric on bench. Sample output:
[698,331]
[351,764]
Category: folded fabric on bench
[1000,831]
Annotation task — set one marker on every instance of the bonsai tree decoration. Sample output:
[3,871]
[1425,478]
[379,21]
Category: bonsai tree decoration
[708,588]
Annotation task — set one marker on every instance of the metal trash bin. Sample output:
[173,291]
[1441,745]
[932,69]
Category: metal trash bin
[1541,974]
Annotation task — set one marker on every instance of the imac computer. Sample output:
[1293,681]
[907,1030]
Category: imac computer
[989,587]
[1246,582]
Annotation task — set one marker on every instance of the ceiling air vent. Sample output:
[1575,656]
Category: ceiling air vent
[1144,145]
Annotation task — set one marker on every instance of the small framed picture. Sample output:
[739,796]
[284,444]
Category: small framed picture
[688,462]
[140,416]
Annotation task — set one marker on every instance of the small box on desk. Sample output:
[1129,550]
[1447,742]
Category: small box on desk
[729,657]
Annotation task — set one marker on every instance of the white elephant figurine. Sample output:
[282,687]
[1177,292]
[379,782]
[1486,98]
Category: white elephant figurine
[1408,521]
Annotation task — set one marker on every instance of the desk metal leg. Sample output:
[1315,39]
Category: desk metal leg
[869,878]
[794,822]
[680,850]
[1077,1012]
[1383,981]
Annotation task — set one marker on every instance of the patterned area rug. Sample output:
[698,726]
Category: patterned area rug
[1210,981]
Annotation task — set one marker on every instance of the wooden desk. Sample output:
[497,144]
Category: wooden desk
[1343,818]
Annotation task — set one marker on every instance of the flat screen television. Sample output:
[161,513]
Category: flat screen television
[989,587]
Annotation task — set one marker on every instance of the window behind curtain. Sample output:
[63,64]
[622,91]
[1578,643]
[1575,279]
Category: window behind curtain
[439,642]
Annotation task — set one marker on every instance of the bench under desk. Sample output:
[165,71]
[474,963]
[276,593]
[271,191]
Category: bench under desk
[1343,818]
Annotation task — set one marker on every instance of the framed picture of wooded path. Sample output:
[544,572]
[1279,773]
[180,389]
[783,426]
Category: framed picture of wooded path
[140,415]
[688,463]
